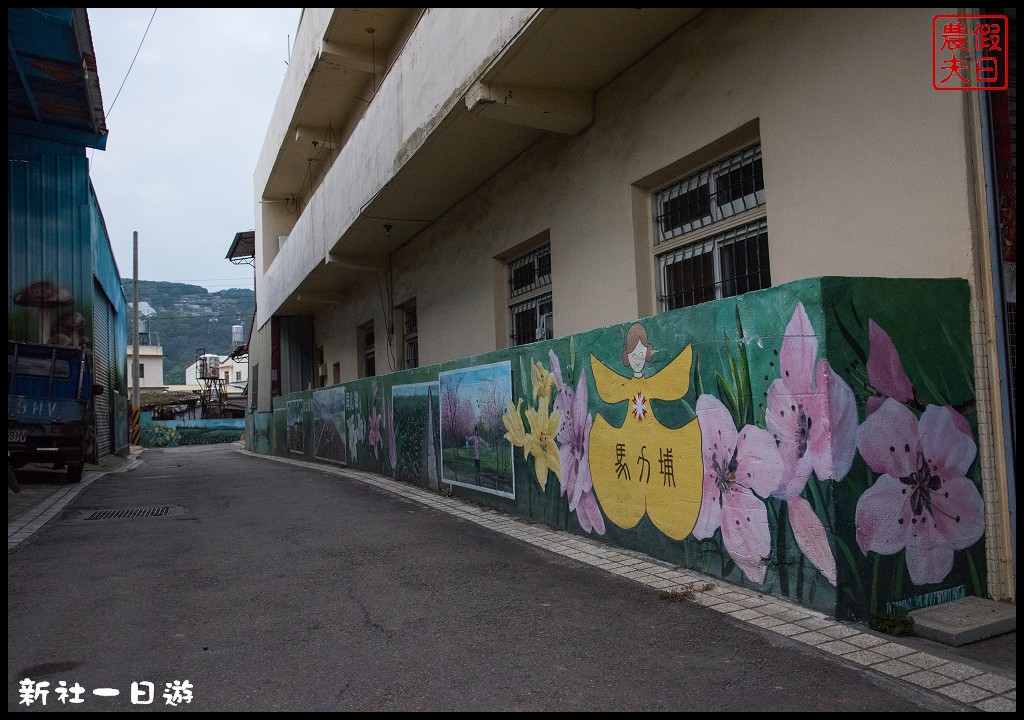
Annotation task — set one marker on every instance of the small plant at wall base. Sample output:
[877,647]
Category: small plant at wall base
[896,622]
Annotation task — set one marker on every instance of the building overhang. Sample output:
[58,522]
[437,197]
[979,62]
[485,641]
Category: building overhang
[544,81]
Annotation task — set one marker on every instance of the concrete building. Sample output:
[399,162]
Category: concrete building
[151,365]
[446,188]
[151,352]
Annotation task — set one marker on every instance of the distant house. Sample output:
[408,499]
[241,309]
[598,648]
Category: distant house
[235,371]
[145,309]
[151,352]
[151,365]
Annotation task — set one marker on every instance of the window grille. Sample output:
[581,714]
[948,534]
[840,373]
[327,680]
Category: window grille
[411,328]
[730,263]
[531,316]
[369,363]
[529,272]
[532,320]
[716,193]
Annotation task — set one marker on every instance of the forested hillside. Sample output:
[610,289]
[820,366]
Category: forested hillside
[190,317]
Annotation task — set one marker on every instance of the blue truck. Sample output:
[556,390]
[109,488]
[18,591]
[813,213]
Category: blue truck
[50,406]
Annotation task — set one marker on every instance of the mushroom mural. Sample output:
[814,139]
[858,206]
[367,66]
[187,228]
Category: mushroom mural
[45,296]
[71,325]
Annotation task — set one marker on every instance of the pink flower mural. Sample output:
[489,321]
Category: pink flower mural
[923,501]
[375,436]
[812,416]
[573,438]
[887,378]
[740,468]
[885,371]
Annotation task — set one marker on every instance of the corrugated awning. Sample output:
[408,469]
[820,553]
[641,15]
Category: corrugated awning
[53,89]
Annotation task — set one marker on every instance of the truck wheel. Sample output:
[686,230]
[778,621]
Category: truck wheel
[75,472]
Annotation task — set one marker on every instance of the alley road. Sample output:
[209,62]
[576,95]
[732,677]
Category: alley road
[272,586]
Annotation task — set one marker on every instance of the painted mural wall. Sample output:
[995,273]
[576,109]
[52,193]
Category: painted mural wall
[195,431]
[815,440]
[257,432]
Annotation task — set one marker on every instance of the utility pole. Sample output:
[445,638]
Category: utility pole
[135,429]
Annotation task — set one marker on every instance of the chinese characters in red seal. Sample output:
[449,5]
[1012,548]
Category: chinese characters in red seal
[969,52]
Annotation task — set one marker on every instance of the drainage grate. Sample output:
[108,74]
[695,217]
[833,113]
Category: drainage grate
[127,514]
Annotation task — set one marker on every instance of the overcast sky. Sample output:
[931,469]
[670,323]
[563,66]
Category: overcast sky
[186,125]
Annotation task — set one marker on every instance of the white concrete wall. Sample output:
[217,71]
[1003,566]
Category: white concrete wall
[233,368]
[151,359]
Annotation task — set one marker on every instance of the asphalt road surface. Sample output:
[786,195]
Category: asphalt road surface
[271,587]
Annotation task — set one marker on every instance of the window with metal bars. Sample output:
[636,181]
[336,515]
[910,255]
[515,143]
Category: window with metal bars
[719,192]
[531,315]
[532,320]
[410,327]
[369,356]
[698,263]
[731,263]
[529,272]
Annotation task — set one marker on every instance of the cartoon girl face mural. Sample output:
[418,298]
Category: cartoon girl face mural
[638,350]
[643,467]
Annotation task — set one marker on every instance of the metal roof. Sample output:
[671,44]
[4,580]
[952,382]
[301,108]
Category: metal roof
[53,89]
[243,247]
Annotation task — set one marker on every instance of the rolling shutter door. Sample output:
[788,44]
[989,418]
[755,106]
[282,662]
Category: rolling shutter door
[102,369]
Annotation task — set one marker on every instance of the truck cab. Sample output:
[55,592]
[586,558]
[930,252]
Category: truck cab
[50,395]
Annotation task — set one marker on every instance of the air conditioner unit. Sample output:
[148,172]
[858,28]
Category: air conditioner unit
[321,370]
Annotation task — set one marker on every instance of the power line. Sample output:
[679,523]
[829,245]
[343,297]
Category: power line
[158,316]
[193,280]
[111,108]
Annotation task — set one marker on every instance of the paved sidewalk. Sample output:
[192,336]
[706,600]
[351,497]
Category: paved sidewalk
[899,658]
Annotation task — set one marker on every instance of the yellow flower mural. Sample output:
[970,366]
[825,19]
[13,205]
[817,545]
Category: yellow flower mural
[540,442]
[537,437]
[542,379]
[514,424]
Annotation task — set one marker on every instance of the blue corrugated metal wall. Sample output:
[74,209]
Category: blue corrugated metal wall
[58,248]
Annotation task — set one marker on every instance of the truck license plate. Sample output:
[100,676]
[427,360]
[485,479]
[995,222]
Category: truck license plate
[17,436]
